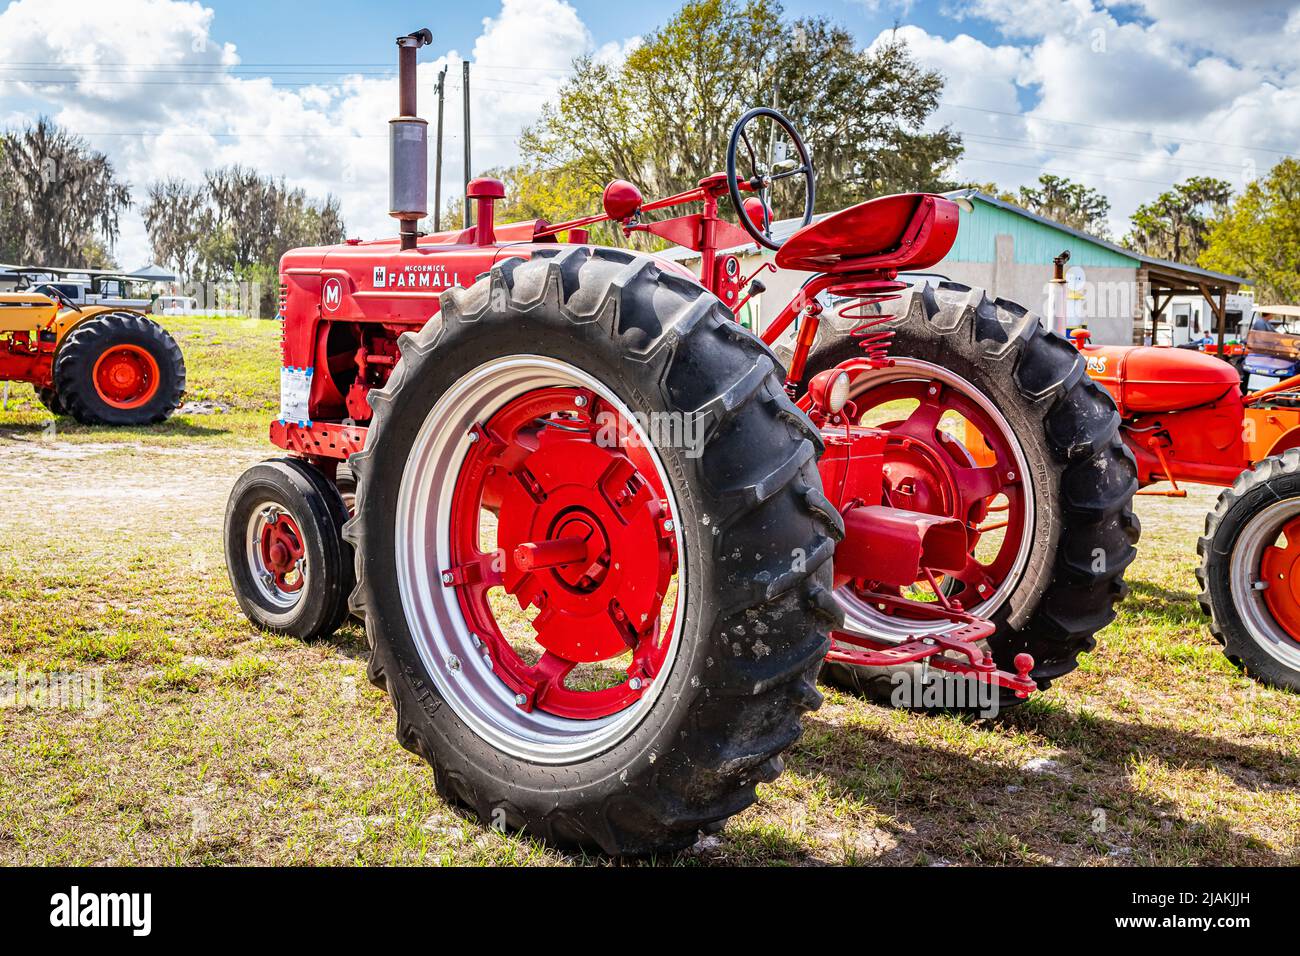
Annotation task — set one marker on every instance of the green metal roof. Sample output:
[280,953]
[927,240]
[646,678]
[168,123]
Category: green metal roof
[1039,240]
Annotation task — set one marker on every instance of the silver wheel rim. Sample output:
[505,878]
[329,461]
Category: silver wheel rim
[263,515]
[860,616]
[437,625]
[1244,570]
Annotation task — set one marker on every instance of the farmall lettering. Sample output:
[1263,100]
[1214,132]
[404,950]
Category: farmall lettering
[418,276]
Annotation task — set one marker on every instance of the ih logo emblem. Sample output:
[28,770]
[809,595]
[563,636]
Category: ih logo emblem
[332,295]
[381,276]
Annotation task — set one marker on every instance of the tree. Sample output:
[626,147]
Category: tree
[992,189]
[175,217]
[1067,202]
[1176,226]
[62,199]
[236,225]
[1259,236]
[662,120]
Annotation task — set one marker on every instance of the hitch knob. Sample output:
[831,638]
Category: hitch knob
[1024,665]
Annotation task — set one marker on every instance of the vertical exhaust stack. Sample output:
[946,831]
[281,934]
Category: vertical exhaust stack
[408,146]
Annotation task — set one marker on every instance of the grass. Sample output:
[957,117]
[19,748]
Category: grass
[219,744]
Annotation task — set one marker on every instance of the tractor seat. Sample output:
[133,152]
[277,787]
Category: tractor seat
[893,233]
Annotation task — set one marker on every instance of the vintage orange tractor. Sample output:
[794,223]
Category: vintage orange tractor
[1186,420]
[103,364]
[603,540]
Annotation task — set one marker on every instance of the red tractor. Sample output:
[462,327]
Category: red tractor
[603,540]
[1185,419]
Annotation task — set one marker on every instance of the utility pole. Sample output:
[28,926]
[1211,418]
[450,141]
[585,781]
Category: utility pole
[437,176]
[776,105]
[469,208]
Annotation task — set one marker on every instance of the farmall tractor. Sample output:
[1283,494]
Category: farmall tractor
[603,540]
[1186,420]
[103,365]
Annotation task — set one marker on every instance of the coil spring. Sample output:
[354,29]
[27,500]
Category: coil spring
[874,342]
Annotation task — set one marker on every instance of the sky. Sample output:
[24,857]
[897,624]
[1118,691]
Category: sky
[1127,96]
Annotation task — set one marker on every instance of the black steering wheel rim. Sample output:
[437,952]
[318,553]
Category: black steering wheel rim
[62,298]
[764,236]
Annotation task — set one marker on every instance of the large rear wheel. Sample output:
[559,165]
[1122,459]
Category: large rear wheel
[593,554]
[993,421]
[119,368]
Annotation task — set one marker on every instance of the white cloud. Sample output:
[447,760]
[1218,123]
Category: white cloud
[1187,87]
[324,137]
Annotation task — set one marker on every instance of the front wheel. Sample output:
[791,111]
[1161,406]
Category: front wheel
[289,566]
[593,554]
[1250,571]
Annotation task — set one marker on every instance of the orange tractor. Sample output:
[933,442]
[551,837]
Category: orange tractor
[103,364]
[604,538]
[1186,420]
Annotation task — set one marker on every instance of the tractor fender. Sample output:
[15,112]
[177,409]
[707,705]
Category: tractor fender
[70,319]
[1285,442]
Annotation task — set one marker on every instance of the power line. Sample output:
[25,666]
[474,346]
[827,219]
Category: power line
[1206,166]
[1116,129]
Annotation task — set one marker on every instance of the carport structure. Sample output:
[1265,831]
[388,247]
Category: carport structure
[1159,282]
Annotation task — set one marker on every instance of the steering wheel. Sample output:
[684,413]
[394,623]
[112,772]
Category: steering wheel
[55,293]
[761,178]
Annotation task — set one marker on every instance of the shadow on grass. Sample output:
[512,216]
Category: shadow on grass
[952,806]
[180,427]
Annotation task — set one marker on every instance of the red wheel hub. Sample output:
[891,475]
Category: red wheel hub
[1280,570]
[583,534]
[281,550]
[126,376]
[934,472]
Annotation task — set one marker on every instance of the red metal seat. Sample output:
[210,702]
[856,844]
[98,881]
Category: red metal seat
[893,233]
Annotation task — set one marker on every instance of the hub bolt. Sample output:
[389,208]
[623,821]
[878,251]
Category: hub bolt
[487,659]
[448,577]
[669,525]
[453,662]
[520,700]
[634,683]
[580,401]
[473,437]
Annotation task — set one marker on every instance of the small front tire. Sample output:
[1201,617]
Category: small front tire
[1248,555]
[289,566]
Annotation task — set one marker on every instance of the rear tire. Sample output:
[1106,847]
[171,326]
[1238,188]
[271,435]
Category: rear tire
[752,624]
[154,367]
[1083,478]
[1249,518]
[311,601]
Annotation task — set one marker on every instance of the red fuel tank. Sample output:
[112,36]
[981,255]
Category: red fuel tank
[1144,379]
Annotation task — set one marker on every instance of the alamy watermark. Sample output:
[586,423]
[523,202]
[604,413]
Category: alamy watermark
[22,689]
[920,688]
[677,430]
